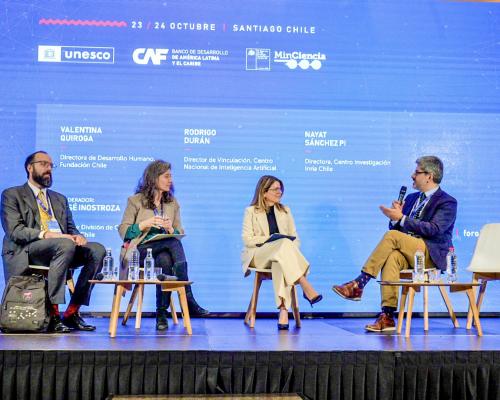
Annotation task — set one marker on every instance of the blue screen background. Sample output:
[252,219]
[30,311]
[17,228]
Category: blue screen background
[396,80]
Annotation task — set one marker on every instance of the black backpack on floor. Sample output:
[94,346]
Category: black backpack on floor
[24,305]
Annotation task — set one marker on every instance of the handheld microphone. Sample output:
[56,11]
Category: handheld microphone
[402,193]
[99,276]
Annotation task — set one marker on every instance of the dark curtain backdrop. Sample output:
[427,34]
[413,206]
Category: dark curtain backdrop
[316,375]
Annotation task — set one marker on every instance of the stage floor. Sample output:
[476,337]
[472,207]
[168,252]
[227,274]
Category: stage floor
[228,334]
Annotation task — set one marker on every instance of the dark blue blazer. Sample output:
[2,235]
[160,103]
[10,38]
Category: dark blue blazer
[435,226]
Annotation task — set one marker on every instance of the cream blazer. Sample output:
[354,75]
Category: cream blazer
[256,230]
[135,213]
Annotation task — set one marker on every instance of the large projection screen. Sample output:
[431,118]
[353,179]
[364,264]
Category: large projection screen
[336,98]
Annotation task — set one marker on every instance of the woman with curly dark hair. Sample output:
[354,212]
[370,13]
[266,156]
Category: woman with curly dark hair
[154,210]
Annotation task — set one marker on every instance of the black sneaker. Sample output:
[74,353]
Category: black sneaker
[197,311]
[161,320]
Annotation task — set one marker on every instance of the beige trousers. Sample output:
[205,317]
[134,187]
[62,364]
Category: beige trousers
[287,265]
[394,253]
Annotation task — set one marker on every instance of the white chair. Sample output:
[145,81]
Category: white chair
[264,275]
[485,263]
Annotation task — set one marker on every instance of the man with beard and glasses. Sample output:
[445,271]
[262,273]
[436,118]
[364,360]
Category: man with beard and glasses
[424,221]
[39,229]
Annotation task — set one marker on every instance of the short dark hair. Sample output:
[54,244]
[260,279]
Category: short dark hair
[433,165]
[30,159]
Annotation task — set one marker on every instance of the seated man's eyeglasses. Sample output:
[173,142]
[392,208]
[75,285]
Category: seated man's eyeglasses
[45,164]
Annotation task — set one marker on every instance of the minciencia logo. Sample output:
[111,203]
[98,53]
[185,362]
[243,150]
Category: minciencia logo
[303,60]
[76,54]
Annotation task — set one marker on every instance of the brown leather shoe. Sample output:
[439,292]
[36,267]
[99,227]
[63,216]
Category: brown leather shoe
[349,291]
[383,323]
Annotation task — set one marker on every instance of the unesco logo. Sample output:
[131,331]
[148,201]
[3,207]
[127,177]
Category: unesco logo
[76,54]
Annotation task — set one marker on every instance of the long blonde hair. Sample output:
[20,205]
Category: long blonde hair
[263,185]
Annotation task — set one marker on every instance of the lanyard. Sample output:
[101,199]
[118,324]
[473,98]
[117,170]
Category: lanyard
[418,207]
[45,208]
[158,211]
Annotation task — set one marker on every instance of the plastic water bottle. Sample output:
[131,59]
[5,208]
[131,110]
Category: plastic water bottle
[107,265]
[115,269]
[451,265]
[419,266]
[133,265]
[149,266]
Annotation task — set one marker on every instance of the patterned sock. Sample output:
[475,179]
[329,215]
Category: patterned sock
[363,279]
[72,309]
[54,310]
[389,311]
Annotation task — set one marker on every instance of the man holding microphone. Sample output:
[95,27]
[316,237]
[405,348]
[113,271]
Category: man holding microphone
[424,221]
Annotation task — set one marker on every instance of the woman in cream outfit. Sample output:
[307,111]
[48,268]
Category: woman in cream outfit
[265,216]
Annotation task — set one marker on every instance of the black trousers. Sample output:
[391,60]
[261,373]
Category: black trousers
[59,255]
[167,253]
